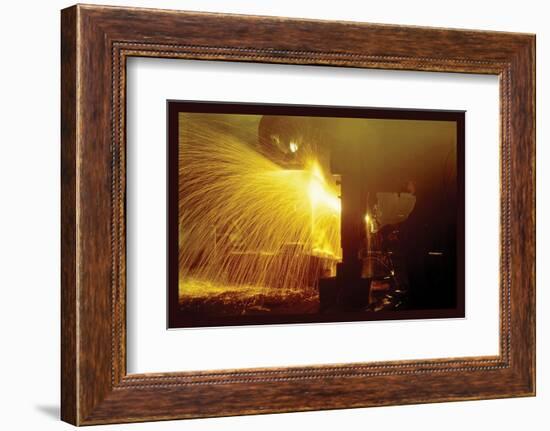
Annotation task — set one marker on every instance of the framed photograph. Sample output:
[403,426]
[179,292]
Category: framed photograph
[285,220]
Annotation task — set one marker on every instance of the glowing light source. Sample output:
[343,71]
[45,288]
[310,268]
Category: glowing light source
[369,223]
[319,192]
[293,146]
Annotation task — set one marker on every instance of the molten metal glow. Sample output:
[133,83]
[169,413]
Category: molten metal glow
[320,194]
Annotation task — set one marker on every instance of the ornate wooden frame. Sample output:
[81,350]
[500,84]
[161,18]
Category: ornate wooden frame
[95,42]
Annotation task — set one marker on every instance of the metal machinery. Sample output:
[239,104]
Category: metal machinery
[368,159]
[349,289]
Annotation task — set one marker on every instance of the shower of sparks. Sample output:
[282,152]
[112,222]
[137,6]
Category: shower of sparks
[246,221]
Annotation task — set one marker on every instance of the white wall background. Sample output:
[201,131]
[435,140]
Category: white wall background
[29,215]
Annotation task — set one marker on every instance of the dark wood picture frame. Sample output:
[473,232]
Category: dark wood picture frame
[95,43]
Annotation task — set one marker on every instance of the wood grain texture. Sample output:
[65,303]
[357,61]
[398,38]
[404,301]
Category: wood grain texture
[69,366]
[96,41]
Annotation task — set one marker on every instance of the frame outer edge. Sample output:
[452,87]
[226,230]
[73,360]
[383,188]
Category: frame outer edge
[533,54]
[69,196]
[524,207]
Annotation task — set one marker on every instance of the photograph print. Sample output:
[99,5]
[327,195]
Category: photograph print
[281,214]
